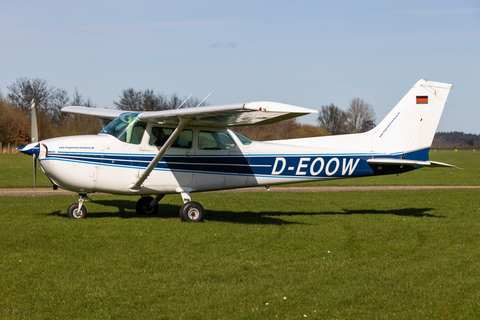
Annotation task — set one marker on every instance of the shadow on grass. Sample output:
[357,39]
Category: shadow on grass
[407,212]
[126,210]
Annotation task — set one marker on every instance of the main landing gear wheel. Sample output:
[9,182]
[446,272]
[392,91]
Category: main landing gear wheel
[74,213]
[143,206]
[192,211]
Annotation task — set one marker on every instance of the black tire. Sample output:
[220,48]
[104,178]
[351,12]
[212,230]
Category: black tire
[192,211]
[74,213]
[143,207]
[181,214]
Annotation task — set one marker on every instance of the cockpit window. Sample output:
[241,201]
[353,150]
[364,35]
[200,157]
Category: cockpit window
[245,141]
[211,140]
[126,128]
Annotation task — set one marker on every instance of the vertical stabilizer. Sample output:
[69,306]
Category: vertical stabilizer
[410,127]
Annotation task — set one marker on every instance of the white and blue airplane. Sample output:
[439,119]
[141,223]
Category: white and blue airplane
[182,151]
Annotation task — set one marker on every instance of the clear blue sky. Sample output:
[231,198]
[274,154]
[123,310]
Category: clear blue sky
[306,53]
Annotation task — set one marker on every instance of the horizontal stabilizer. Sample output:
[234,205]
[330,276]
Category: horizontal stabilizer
[403,162]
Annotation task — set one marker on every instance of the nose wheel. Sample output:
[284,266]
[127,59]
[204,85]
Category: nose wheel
[77,210]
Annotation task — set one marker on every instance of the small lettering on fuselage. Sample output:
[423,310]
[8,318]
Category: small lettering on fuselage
[316,166]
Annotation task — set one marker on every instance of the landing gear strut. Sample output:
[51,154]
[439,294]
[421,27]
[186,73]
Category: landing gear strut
[77,210]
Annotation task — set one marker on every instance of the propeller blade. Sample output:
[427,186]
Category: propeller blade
[34,138]
[34,128]
[34,157]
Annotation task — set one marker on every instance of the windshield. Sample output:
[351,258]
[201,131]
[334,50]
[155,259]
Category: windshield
[126,128]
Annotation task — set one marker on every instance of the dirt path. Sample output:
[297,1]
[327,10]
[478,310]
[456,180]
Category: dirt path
[48,191]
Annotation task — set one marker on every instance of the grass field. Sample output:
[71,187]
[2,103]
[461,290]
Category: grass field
[382,254]
[16,171]
[328,255]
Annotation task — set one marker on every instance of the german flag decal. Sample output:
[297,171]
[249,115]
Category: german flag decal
[422,99]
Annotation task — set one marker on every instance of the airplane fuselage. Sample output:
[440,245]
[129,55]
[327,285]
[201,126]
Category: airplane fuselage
[103,163]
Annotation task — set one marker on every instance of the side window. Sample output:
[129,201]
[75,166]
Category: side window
[211,140]
[245,141]
[160,135]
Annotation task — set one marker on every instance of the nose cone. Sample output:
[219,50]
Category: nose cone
[30,149]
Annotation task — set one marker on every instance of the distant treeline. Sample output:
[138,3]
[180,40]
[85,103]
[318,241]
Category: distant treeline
[15,116]
[456,139]
[15,110]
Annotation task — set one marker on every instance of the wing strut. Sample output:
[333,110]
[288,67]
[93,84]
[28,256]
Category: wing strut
[136,186]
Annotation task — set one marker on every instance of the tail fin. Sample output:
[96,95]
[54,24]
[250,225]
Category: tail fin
[410,127]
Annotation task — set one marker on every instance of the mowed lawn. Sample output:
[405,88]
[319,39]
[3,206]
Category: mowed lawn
[346,255]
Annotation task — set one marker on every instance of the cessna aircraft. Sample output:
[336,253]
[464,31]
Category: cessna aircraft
[182,151]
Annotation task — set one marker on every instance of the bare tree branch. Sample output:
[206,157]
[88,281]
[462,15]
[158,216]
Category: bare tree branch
[333,119]
[23,90]
[147,100]
[361,116]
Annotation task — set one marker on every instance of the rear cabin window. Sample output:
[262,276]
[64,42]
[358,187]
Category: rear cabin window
[245,141]
[160,135]
[211,140]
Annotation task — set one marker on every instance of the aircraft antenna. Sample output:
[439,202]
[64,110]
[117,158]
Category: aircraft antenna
[184,101]
[203,100]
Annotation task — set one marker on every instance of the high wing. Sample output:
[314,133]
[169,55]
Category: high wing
[251,113]
[109,114]
[104,115]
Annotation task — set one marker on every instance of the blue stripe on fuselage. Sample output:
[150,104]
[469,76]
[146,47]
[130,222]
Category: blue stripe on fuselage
[301,166]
